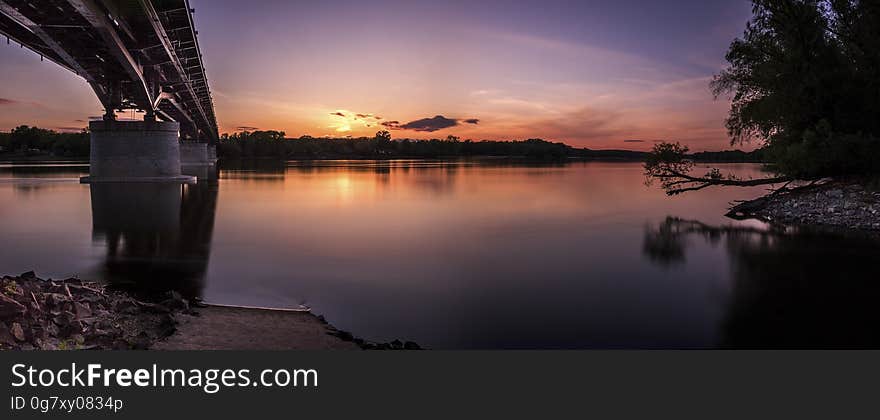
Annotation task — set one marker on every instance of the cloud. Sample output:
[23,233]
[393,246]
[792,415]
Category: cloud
[436,123]
[367,117]
[69,129]
[633,141]
[348,120]
[5,101]
[246,128]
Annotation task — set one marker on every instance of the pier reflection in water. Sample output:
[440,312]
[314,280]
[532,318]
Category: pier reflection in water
[789,288]
[157,235]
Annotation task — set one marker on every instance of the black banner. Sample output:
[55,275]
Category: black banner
[459,384]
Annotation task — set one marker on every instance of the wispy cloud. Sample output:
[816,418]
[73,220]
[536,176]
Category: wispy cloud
[69,129]
[6,101]
[346,119]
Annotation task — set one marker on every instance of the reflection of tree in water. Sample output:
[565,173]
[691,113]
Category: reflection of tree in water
[158,236]
[790,289]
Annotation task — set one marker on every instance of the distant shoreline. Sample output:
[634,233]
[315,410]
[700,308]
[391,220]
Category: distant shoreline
[602,156]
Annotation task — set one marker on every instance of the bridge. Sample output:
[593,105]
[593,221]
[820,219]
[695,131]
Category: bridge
[136,55]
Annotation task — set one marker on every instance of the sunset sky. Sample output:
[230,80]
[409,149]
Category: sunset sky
[599,74]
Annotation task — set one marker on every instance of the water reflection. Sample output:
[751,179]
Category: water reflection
[790,288]
[157,236]
[457,254]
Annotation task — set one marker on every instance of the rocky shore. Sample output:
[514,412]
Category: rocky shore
[848,205]
[72,314]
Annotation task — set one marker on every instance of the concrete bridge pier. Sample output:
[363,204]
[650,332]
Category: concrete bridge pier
[196,159]
[194,154]
[135,151]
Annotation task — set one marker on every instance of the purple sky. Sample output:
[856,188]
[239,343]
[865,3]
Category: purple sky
[590,73]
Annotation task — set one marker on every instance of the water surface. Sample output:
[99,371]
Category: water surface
[457,254]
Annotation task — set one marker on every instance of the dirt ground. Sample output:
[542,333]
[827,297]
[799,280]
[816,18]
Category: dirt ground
[229,328]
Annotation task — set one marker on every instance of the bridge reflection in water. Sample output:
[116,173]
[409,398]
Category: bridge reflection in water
[157,235]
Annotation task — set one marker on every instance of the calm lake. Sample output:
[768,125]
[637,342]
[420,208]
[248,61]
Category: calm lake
[457,254]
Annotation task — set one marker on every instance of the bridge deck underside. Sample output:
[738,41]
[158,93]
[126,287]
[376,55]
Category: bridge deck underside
[135,54]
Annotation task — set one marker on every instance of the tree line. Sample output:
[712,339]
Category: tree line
[34,141]
[274,144]
[27,141]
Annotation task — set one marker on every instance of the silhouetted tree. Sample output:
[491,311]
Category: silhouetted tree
[383,140]
[670,164]
[804,82]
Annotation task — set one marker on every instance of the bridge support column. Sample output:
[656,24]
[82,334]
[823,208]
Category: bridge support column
[194,154]
[135,151]
[195,160]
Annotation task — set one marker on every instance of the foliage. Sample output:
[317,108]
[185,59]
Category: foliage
[260,145]
[805,81]
[670,164]
[32,140]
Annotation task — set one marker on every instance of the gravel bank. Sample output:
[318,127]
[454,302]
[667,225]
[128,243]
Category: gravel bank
[838,204]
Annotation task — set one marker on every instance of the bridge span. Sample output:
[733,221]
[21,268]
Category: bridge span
[135,54]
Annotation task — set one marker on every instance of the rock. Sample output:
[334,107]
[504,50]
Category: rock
[55,300]
[154,308]
[51,329]
[168,325]
[344,335]
[9,307]
[141,341]
[17,331]
[82,310]
[28,275]
[73,314]
[126,305]
[175,301]
[6,336]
